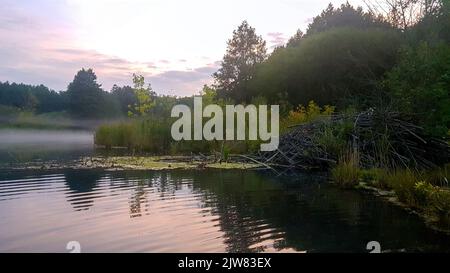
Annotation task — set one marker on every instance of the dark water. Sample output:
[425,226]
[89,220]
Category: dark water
[197,211]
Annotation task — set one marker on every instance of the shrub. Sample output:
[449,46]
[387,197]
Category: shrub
[419,84]
[346,173]
[422,193]
[440,206]
[403,183]
[302,114]
[411,188]
[333,137]
[439,176]
[376,176]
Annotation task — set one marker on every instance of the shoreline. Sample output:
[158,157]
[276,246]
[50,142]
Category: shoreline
[143,163]
[391,197]
[159,163]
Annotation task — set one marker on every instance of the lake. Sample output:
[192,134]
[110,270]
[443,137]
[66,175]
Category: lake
[189,210]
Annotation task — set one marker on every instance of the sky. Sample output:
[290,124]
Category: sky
[175,44]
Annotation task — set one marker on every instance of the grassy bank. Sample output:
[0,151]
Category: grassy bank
[426,192]
[152,134]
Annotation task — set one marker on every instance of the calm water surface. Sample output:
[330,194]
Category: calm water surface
[196,211]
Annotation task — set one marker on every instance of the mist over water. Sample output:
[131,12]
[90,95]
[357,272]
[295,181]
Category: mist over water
[10,137]
[183,210]
[20,146]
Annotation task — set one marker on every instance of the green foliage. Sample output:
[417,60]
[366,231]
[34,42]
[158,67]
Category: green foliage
[345,16]
[85,95]
[420,84]
[347,172]
[411,188]
[405,14]
[303,114]
[125,97]
[144,97]
[439,176]
[419,190]
[331,67]
[225,153]
[32,98]
[422,192]
[440,206]
[296,39]
[376,177]
[84,99]
[245,50]
[434,26]
[334,137]
[150,134]
[403,183]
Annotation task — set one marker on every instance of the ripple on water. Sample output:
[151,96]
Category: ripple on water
[192,211]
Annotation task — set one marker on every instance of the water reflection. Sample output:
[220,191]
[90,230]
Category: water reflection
[191,211]
[80,184]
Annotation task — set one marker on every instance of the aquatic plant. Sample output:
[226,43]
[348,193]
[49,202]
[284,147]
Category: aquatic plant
[347,172]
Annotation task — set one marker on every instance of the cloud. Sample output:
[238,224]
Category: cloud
[38,49]
[48,41]
[56,67]
[183,82]
[276,39]
[34,51]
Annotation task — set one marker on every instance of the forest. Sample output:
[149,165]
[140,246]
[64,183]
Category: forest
[348,58]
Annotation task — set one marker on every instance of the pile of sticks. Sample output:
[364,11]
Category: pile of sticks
[298,149]
[388,139]
[382,139]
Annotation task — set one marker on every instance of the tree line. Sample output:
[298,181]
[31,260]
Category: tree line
[394,54]
[83,99]
[397,58]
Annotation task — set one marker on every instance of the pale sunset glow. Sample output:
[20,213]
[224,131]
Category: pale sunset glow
[176,45]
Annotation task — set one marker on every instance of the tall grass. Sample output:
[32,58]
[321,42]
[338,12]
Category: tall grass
[153,135]
[403,182]
[414,189]
[439,176]
[347,172]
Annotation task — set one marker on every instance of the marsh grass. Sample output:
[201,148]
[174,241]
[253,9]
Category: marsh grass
[143,135]
[347,172]
[153,135]
[376,177]
[414,189]
[439,176]
[403,183]
[440,206]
